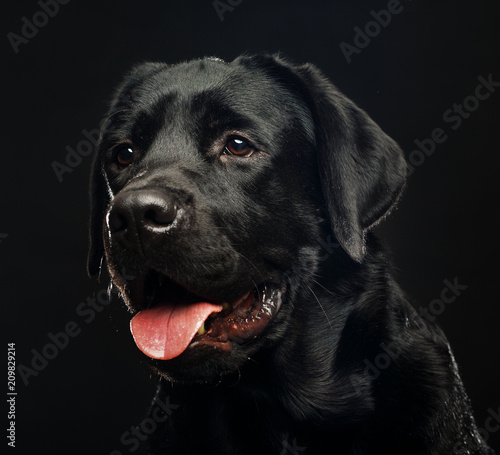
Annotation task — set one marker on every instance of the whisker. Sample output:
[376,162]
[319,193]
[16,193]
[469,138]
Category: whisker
[337,296]
[319,303]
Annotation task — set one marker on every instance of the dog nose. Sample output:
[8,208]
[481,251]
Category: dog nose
[148,212]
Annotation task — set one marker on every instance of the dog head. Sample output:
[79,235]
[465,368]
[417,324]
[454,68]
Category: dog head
[211,186]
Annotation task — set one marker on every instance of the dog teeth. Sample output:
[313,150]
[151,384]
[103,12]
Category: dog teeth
[202,330]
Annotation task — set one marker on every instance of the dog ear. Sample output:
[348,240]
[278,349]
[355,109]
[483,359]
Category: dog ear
[99,200]
[362,169]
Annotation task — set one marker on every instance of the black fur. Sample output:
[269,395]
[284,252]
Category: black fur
[297,212]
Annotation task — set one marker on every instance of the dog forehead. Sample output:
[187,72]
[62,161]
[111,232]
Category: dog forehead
[209,92]
[197,76]
[211,82]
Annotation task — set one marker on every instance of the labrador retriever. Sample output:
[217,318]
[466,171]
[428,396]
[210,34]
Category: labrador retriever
[240,197]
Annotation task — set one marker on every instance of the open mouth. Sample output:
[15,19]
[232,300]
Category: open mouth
[170,319]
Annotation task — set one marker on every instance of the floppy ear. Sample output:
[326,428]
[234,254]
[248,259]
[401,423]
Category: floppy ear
[362,169]
[99,200]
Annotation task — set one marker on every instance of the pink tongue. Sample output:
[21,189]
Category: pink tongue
[165,331]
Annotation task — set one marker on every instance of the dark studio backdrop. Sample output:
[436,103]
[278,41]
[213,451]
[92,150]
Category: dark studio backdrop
[81,382]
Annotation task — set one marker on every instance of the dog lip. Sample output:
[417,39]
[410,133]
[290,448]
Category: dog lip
[244,320]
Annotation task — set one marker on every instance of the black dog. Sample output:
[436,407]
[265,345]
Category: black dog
[217,186]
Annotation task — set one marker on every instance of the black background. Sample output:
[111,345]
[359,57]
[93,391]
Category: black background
[428,58]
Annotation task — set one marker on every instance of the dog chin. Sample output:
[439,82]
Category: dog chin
[204,365]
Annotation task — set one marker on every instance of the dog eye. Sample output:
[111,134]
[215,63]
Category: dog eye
[124,155]
[239,147]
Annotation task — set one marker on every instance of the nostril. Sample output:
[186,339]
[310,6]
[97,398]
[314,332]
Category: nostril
[161,215]
[117,222]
